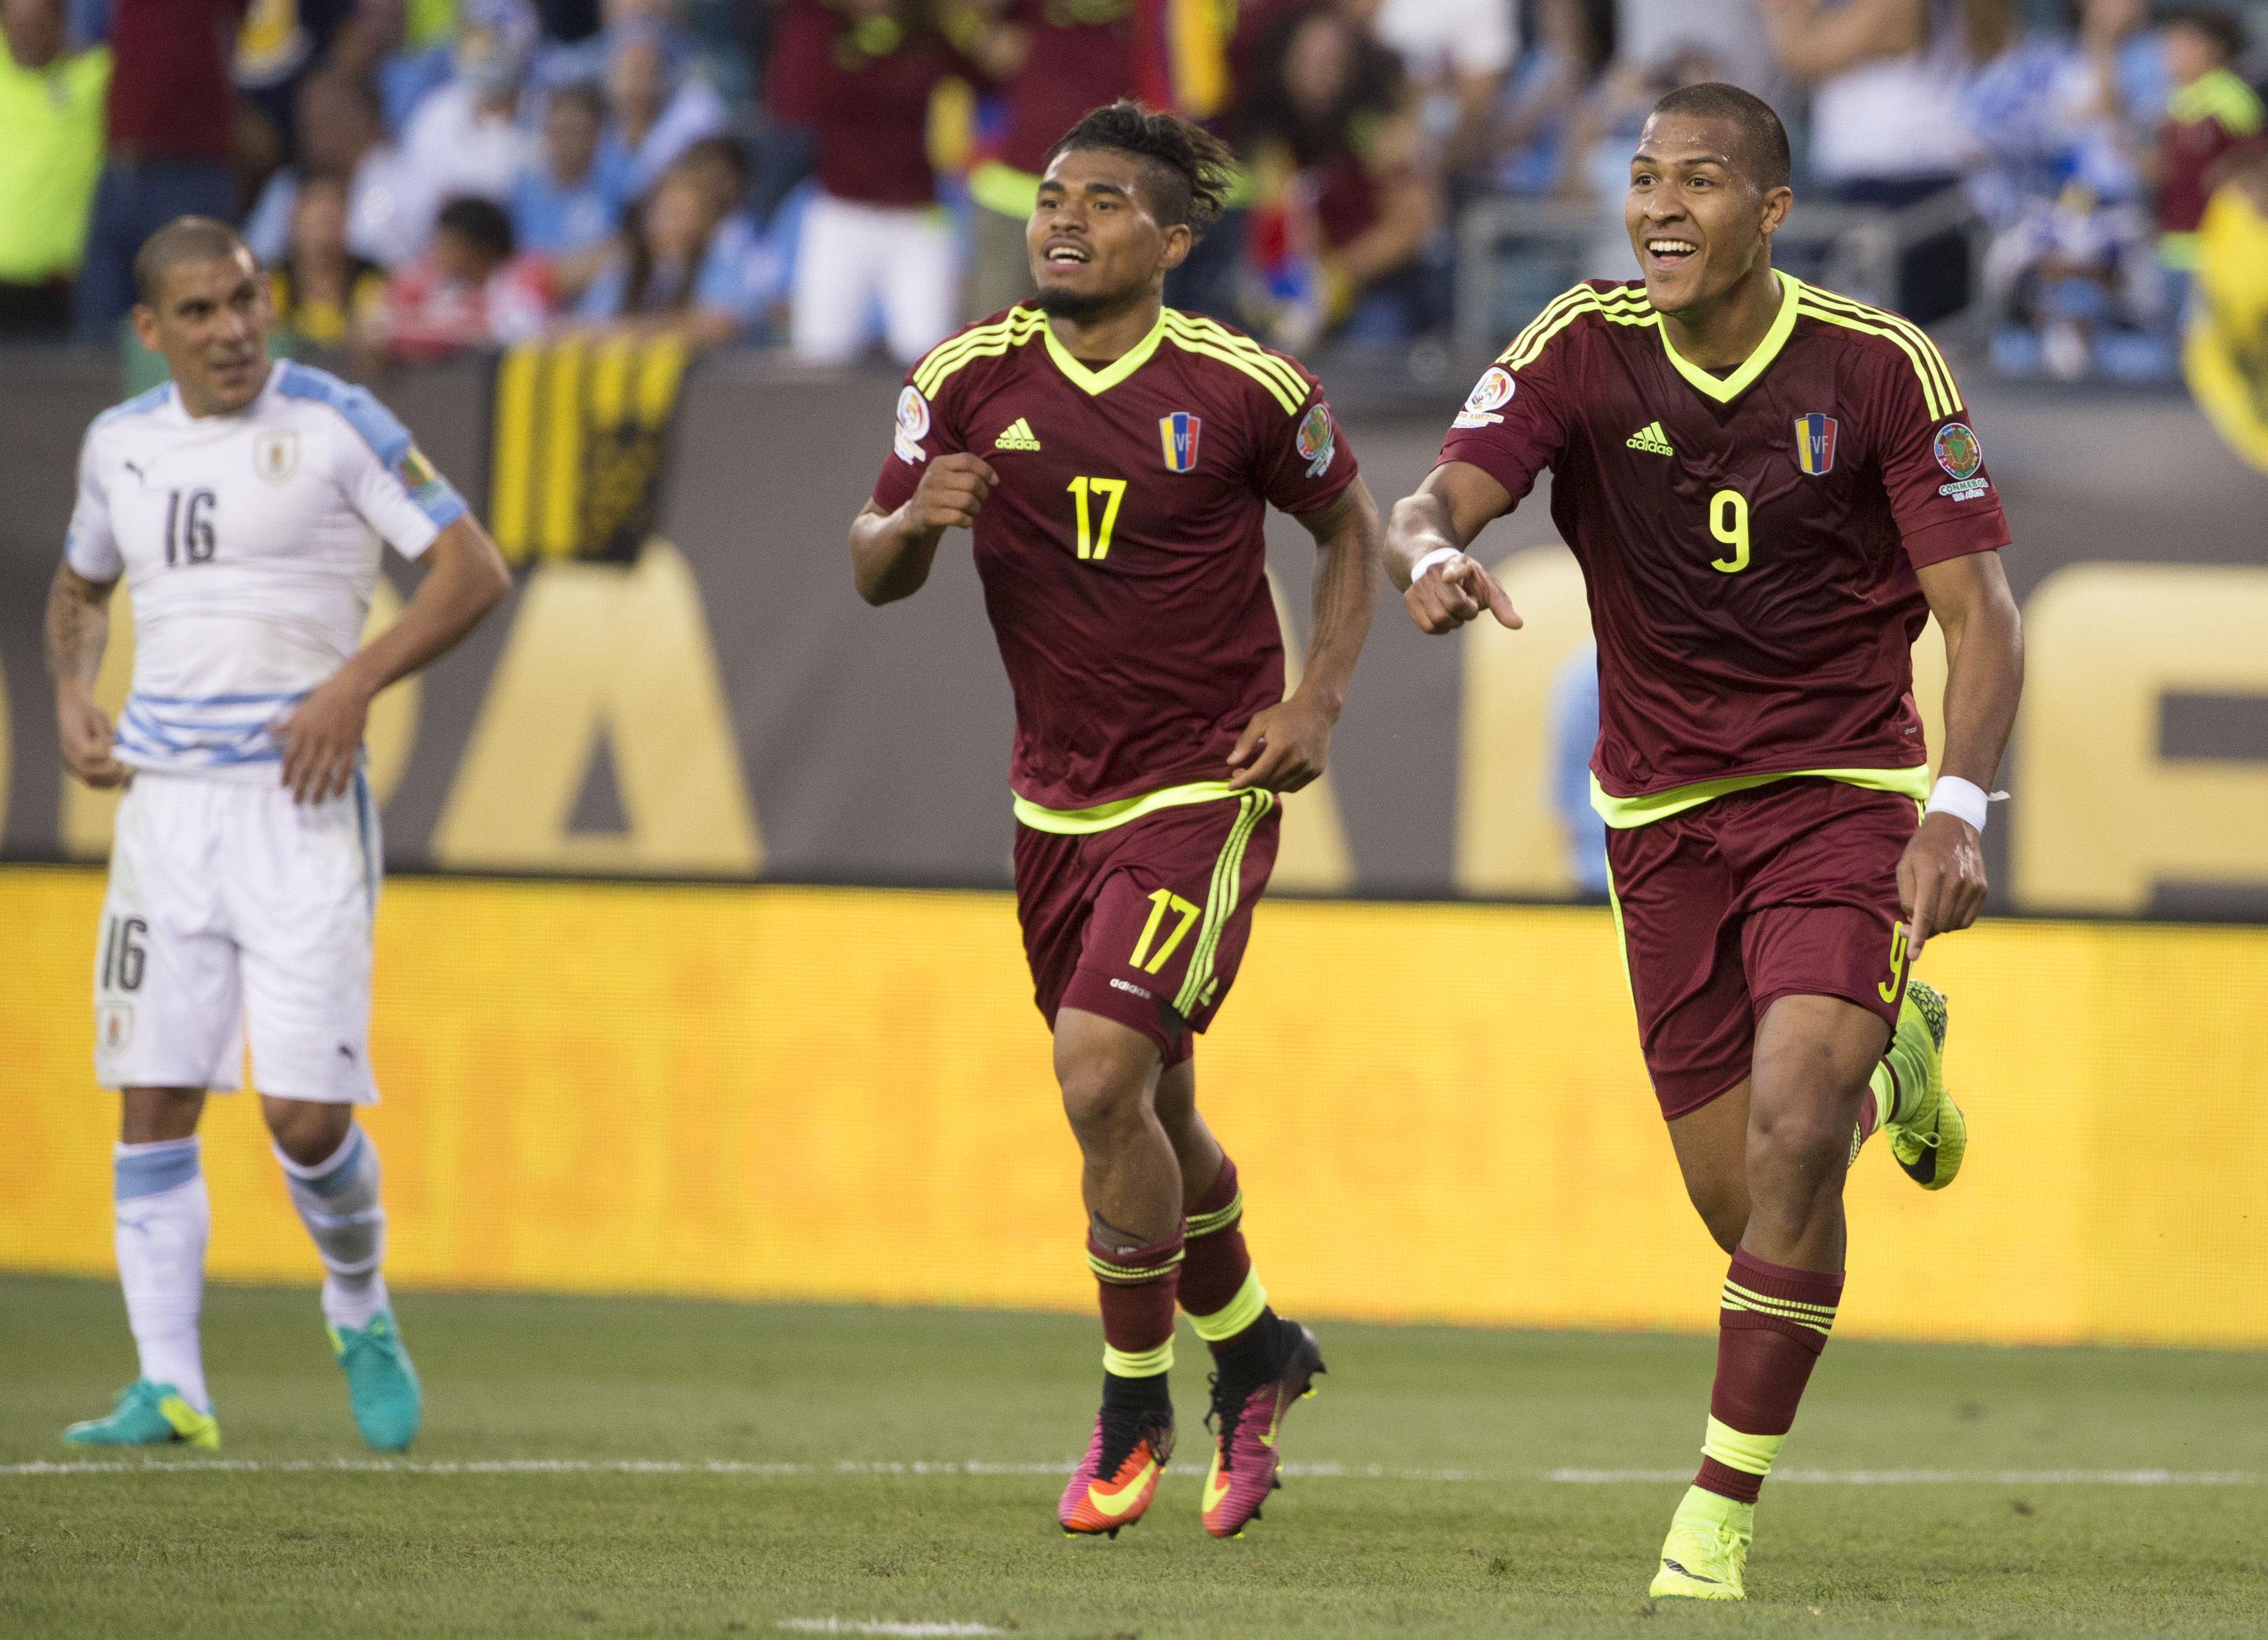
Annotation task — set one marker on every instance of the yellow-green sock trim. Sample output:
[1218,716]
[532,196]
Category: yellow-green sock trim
[1237,1314]
[1207,1224]
[1750,1454]
[1149,1364]
[1884,1086]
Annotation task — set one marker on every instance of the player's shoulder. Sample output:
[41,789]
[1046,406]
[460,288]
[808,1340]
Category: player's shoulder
[1225,356]
[973,346]
[1605,310]
[304,387]
[1892,345]
[132,416]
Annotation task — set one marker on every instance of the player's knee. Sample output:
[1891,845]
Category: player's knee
[1800,1138]
[1101,1091]
[307,1132]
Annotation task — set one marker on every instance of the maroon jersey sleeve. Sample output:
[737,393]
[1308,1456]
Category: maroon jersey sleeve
[1514,425]
[923,430]
[1932,464]
[1304,463]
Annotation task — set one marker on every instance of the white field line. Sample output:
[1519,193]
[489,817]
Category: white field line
[1292,1471]
[879,1626]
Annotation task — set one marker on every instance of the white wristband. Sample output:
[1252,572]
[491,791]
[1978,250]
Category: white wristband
[1440,555]
[1964,799]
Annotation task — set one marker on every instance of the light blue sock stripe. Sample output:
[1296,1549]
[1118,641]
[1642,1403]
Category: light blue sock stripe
[139,1170]
[342,1167]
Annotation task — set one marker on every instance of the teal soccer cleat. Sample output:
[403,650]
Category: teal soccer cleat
[144,1414]
[380,1382]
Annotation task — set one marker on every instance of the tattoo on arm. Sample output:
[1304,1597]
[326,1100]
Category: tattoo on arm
[78,625]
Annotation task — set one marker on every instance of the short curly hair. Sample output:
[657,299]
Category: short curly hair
[1189,170]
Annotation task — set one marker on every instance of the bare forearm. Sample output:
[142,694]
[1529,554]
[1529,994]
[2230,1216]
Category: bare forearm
[467,579]
[77,628]
[889,558]
[1346,598]
[1985,679]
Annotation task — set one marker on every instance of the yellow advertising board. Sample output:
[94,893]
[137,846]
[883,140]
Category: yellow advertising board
[784,1093]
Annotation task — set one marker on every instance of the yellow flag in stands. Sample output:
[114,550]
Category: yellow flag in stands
[577,444]
[2225,357]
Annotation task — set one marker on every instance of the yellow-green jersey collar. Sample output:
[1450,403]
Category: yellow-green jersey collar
[1100,381]
[1742,379]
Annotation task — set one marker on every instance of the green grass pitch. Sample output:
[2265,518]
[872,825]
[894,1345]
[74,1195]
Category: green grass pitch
[1462,1530]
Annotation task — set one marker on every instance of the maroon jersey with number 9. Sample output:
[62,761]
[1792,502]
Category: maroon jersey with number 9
[1748,540]
[1123,562]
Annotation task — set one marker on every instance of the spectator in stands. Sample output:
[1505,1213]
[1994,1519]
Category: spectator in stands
[374,44]
[279,46]
[465,139]
[1458,54]
[658,111]
[1344,207]
[343,134]
[324,294]
[2212,118]
[567,201]
[671,274]
[171,123]
[1053,63]
[1886,129]
[872,234]
[1574,44]
[468,289]
[2070,278]
[747,260]
[51,103]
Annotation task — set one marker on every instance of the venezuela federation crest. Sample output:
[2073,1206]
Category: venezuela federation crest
[1815,444]
[1179,433]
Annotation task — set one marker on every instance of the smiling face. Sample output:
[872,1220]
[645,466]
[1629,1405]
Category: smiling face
[1698,223]
[1096,244]
[211,320]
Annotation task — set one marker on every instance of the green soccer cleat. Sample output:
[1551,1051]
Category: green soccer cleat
[144,1414]
[1707,1549]
[1929,1144]
[380,1382]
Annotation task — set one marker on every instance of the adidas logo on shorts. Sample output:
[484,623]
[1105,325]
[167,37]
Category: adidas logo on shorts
[1018,437]
[1650,439]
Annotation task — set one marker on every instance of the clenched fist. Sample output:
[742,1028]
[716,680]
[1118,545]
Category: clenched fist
[950,493]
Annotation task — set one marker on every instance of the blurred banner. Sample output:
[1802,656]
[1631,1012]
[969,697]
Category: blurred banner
[684,684]
[845,1095]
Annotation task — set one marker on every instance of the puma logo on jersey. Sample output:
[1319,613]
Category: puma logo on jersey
[1018,437]
[1650,439]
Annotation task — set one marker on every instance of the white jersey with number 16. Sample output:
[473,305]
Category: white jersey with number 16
[251,544]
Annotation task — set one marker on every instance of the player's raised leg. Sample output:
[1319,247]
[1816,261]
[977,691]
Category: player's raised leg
[1262,1362]
[1131,1184]
[1780,1140]
[163,1220]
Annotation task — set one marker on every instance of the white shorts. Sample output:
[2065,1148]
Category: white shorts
[852,257]
[231,906]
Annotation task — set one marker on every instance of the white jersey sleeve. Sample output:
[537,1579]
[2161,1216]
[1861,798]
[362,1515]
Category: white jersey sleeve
[386,478]
[91,547]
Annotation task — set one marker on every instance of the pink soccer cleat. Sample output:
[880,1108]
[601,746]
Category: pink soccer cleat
[1113,1483]
[1246,1419]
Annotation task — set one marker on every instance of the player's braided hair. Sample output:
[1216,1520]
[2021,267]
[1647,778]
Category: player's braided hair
[1189,169]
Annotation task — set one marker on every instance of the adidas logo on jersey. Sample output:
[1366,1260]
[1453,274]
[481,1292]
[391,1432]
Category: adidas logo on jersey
[1650,439]
[1018,437]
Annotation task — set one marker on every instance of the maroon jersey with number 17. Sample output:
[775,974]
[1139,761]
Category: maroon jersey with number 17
[1123,558]
[1748,540]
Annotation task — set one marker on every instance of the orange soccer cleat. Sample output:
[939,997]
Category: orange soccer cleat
[1114,1484]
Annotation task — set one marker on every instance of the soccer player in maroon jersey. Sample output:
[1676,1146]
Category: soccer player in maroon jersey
[1115,460]
[1770,488]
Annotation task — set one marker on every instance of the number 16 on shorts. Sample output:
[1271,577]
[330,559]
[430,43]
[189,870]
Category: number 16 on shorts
[119,965]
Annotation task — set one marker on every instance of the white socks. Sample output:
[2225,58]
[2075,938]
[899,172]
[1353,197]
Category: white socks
[163,1219]
[337,1199]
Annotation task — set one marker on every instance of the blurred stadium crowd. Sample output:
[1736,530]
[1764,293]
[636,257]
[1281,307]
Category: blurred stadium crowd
[833,176]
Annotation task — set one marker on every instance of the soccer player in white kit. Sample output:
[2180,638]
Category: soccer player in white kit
[245,501]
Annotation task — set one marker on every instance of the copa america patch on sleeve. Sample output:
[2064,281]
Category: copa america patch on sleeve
[913,427]
[1317,439]
[1490,394]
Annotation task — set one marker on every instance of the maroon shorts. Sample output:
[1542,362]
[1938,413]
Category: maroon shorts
[1144,924]
[1785,890]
